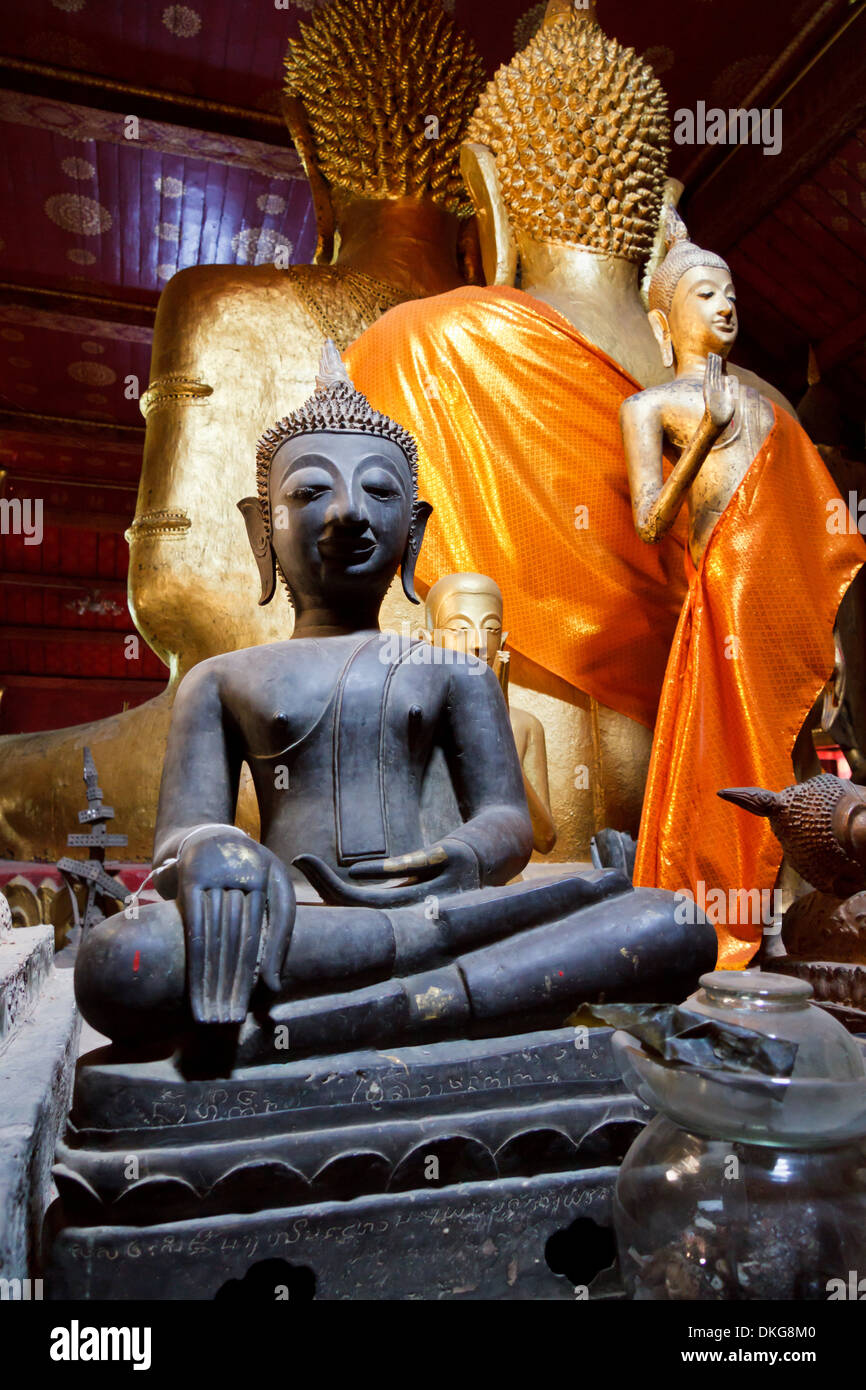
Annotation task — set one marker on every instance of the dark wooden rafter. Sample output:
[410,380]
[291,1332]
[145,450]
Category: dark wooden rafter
[839,345]
[148,103]
[77,636]
[21,481]
[73,427]
[87,457]
[75,584]
[818,28]
[96,511]
[820,106]
[68,518]
[80,304]
[109,685]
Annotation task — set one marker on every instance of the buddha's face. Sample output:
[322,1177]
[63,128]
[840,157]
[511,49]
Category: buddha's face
[340,511]
[703,315]
[469,621]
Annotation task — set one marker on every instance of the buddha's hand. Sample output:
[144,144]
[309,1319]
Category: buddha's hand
[238,909]
[450,866]
[720,394]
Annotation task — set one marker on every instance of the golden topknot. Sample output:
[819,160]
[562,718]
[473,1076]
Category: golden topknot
[580,131]
[370,74]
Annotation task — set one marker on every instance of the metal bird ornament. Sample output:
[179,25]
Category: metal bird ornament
[821,826]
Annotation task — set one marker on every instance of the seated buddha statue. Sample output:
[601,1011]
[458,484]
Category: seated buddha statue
[565,159]
[234,345]
[412,939]
[754,644]
[464,612]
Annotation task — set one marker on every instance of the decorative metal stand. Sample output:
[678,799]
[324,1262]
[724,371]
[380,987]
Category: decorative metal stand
[91,873]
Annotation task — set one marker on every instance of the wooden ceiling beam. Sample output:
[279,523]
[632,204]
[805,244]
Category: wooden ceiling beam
[72,427]
[16,474]
[66,518]
[70,583]
[839,345]
[79,304]
[810,38]
[52,495]
[104,684]
[820,109]
[64,636]
[148,103]
[26,437]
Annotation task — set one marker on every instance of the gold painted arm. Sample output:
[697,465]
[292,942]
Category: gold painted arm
[536,785]
[543,829]
[656,504]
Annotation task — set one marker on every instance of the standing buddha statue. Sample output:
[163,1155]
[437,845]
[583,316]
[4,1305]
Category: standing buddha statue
[754,643]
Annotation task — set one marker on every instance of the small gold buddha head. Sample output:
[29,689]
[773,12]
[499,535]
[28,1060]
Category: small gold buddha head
[378,94]
[579,131]
[692,305]
[464,612]
[337,505]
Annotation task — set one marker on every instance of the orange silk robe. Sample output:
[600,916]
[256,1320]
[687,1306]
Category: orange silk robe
[517,421]
[753,647]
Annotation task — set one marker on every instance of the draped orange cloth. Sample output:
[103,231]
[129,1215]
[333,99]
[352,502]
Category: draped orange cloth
[753,647]
[517,421]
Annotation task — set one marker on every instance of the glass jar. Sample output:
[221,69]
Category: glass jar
[747,1185]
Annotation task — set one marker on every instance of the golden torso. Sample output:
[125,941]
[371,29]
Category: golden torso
[235,349]
[679,406]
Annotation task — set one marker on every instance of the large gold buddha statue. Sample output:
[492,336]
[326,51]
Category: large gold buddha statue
[378,94]
[515,394]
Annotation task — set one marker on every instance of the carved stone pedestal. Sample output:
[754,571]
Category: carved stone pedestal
[39,1029]
[474,1169]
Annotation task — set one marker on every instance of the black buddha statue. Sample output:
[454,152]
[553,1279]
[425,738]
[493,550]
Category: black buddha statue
[413,940]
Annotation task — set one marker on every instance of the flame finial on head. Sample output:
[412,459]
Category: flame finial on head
[332,369]
[335,407]
[682,255]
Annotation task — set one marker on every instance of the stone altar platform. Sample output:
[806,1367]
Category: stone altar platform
[478,1169]
[39,1027]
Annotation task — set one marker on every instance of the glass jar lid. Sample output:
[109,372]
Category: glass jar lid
[754,989]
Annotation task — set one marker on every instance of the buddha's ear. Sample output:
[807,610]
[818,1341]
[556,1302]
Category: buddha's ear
[469,259]
[295,117]
[260,543]
[421,513]
[498,247]
[662,334]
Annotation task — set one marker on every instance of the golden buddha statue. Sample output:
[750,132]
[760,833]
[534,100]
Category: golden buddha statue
[237,346]
[464,612]
[515,394]
[514,397]
[754,644]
